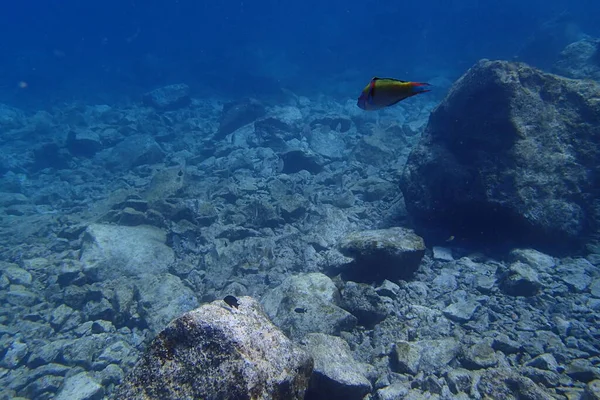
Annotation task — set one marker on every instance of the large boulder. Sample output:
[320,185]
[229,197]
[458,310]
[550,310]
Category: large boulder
[511,153]
[580,60]
[220,351]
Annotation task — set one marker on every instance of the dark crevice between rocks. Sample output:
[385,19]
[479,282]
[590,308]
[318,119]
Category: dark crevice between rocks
[495,229]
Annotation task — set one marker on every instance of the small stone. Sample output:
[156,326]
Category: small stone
[480,356]
[506,345]
[169,97]
[17,275]
[521,280]
[111,375]
[442,253]
[461,311]
[592,390]
[582,370]
[19,296]
[80,387]
[388,289]
[459,380]
[539,261]
[595,288]
[14,355]
[544,361]
[393,392]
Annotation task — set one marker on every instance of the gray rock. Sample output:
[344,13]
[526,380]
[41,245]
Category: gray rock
[43,387]
[505,344]
[582,370]
[520,280]
[162,298]
[388,289]
[133,151]
[595,288]
[80,387]
[442,253]
[46,354]
[393,392]
[499,383]
[526,193]
[12,199]
[479,356]
[82,351]
[459,380]
[19,296]
[364,303]
[336,374]
[296,160]
[461,311]
[14,355]
[580,60]
[170,97]
[592,390]
[17,275]
[393,253]
[111,375]
[327,143]
[237,114]
[84,142]
[535,259]
[217,351]
[425,355]
[108,251]
[307,303]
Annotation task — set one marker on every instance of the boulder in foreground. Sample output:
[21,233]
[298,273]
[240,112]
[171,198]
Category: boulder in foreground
[220,352]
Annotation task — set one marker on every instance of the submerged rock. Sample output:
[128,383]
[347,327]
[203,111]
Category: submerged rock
[580,60]
[307,303]
[237,114]
[217,351]
[393,253]
[337,375]
[169,97]
[508,155]
[109,251]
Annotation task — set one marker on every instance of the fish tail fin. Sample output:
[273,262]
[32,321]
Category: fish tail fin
[420,87]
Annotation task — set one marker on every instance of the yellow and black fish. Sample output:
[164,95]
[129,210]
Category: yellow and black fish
[385,92]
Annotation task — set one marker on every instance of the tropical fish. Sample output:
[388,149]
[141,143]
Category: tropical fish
[385,92]
[231,301]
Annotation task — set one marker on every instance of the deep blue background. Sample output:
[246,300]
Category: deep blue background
[86,49]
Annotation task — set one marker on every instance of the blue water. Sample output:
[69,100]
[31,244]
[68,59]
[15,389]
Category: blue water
[73,49]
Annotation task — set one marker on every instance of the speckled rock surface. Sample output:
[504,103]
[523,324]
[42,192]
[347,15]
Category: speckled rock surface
[217,351]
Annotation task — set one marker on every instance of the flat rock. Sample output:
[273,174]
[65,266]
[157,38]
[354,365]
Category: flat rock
[109,251]
[217,351]
[393,253]
[237,114]
[170,97]
[307,303]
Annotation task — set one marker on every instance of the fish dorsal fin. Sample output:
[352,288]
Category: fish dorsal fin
[395,80]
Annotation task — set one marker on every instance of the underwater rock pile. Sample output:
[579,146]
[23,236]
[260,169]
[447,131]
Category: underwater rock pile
[117,222]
